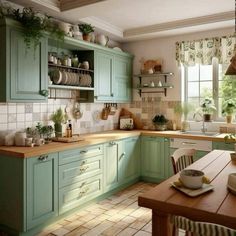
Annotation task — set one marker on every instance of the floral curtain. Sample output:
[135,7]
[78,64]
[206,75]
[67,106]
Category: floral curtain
[202,51]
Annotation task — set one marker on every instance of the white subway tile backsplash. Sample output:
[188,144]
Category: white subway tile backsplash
[11,108]
[3,109]
[12,118]
[28,117]
[11,126]
[3,118]
[36,107]
[3,126]
[20,118]
[20,108]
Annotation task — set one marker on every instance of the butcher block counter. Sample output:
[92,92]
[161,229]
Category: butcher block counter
[101,137]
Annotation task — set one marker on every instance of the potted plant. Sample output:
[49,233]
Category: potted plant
[47,131]
[58,117]
[160,122]
[228,109]
[183,109]
[86,29]
[206,108]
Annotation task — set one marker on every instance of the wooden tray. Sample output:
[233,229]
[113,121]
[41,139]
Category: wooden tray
[67,140]
[193,192]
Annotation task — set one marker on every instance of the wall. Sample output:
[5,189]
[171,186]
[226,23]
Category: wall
[162,48]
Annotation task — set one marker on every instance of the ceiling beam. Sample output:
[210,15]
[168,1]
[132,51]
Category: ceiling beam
[66,5]
[219,17]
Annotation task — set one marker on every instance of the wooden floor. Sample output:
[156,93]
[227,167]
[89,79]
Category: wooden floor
[117,215]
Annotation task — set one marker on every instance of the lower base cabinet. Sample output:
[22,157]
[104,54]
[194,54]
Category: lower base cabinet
[223,146]
[154,158]
[42,189]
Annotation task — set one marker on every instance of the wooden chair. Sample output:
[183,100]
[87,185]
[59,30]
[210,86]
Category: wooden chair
[182,158]
[201,228]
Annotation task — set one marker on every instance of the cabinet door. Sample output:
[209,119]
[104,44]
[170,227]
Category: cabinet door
[153,158]
[130,169]
[111,179]
[42,189]
[28,69]
[103,77]
[122,79]
[223,146]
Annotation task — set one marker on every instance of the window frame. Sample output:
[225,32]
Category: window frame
[215,87]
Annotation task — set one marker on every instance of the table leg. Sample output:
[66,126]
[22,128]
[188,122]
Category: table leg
[161,224]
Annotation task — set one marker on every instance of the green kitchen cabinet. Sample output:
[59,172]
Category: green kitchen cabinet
[223,146]
[23,70]
[122,78]
[29,189]
[103,77]
[42,189]
[154,159]
[113,152]
[112,78]
[130,160]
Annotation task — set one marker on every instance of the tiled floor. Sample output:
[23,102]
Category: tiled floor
[117,215]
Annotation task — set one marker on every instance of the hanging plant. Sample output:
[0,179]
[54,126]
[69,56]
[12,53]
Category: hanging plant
[34,24]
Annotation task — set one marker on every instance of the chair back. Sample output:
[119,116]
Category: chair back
[201,228]
[181,158]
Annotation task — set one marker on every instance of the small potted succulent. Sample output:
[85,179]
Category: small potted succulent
[229,109]
[160,122]
[86,29]
[207,108]
[58,117]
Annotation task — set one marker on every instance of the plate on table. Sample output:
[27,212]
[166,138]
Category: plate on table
[193,192]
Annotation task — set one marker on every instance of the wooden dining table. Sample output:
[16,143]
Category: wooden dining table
[217,206]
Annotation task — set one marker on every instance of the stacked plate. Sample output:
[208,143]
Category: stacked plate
[71,78]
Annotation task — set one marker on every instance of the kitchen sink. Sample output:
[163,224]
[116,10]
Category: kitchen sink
[192,132]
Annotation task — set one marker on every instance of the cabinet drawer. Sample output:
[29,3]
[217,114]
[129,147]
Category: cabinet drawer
[79,170]
[79,153]
[81,192]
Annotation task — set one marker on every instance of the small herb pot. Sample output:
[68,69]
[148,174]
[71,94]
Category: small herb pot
[58,130]
[160,127]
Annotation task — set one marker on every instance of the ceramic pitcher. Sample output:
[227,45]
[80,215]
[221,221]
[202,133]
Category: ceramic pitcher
[102,39]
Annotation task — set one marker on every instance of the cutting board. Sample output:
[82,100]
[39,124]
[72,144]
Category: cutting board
[67,140]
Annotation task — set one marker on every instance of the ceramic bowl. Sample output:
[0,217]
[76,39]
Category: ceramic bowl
[192,178]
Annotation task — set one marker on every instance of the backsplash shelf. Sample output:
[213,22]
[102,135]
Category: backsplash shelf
[152,88]
[70,87]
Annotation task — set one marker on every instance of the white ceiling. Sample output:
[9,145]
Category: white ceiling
[127,20]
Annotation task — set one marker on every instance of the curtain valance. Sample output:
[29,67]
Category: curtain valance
[202,51]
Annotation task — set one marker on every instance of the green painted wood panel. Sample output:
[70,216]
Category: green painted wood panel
[77,171]
[42,189]
[76,194]
[223,146]
[76,154]
[153,158]
[103,77]
[122,79]
[28,69]
[12,193]
[112,155]
[131,165]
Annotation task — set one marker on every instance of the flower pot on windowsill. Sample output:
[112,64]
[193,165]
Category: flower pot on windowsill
[207,117]
[229,119]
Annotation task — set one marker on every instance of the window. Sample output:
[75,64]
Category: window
[202,81]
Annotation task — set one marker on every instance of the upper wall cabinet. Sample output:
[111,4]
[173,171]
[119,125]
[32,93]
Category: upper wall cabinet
[23,71]
[112,77]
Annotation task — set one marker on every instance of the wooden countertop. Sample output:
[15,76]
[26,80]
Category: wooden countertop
[97,138]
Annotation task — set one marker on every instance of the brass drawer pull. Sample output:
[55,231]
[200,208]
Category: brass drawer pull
[43,158]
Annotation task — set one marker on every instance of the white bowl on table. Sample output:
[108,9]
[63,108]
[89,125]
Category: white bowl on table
[192,179]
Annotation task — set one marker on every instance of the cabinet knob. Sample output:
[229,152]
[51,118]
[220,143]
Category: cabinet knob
[43,158]
[83,151]
[112,94]
[112,143]
[44,92]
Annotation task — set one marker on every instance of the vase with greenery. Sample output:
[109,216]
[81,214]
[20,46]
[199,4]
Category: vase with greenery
[160,122]
[229,109]
[86,30]
[34,24]
[182,110]
[58,117]
[206,109]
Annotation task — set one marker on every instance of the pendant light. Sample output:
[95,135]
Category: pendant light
[231,70]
